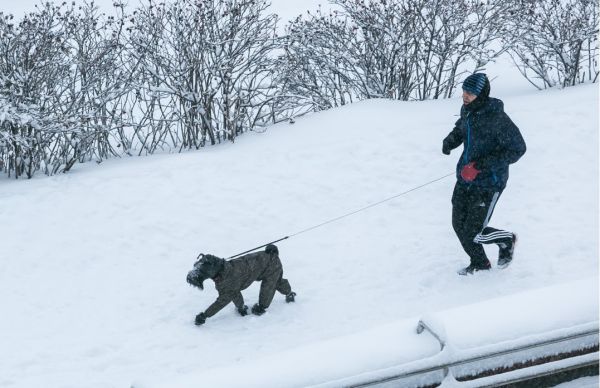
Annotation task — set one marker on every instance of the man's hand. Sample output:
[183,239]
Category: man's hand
[243,310]
[469,172]
[200,319]
[446,148]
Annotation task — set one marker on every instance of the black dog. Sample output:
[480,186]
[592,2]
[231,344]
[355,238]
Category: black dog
[231,277]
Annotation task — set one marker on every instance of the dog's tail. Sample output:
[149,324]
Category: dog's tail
[272,249]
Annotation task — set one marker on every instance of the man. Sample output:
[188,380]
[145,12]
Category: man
[231,277]
[491,142]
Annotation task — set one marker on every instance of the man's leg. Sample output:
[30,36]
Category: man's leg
[468,216]
[491,235]
[464,222]
[505,240]
[460,211]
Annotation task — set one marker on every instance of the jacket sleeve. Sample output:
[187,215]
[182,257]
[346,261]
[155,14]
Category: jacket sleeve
[510,148]
[454,138]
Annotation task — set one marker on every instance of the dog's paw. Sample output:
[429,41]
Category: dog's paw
[243,311]
[257,309]
[200,319]
[291,297]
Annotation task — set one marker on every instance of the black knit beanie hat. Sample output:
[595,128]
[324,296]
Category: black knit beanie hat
[477,84]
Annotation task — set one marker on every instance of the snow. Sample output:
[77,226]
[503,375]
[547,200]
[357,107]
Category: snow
[93,263]
[462,324]
[92,276]
[286,9]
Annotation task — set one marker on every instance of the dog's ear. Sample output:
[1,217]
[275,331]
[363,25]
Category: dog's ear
[208,257]
[199,260]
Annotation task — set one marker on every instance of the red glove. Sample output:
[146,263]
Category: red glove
[469,172]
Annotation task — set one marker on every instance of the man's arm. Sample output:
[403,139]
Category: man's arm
[511,146]
[453,140]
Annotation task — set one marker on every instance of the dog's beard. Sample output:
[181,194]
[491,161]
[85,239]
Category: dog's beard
[207,267]
[195,279]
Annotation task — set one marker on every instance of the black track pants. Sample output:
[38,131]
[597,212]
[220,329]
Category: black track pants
[472,208]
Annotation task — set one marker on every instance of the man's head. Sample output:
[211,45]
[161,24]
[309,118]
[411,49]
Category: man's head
[207,267]
[475,85]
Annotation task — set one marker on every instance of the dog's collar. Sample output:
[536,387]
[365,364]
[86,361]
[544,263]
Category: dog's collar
[219,276]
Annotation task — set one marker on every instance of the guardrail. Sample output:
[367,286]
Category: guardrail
[581,341]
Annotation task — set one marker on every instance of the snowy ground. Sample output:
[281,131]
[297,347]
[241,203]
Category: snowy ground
[92,275]
[380,352]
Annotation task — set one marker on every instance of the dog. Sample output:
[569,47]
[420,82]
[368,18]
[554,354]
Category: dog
[233,276]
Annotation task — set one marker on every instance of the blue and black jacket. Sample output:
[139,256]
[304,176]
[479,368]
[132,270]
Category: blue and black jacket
[490,139]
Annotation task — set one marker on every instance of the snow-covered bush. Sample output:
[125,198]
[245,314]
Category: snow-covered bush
[400,49]
[77,85]
[205,70]
[318,61]
[97,85]
[32,67]
[555,42]
[451,39]
[59,80]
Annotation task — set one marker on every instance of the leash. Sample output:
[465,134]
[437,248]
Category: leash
[346,215]
[264,245]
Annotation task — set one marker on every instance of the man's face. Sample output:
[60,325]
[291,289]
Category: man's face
[468,97]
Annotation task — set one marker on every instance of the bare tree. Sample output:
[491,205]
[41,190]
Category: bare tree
[96,85]
[77,85]
[315,68]
[385,50]
[454,37]
[61,83]
[555,41]
[32,65]
[207,70]
[399,49]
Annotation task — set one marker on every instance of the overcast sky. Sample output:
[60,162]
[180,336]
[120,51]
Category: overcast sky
[287,9]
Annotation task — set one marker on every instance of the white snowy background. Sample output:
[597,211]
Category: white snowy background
[93,263]
[286,9]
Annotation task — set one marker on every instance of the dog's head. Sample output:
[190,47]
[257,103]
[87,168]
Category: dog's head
[206,267]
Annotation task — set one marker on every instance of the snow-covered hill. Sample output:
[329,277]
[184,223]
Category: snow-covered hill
[93,263]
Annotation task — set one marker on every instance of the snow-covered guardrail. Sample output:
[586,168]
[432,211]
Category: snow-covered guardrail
[445,366]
